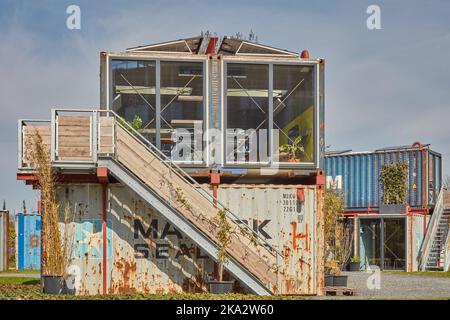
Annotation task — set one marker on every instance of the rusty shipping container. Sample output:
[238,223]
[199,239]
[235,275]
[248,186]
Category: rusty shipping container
[4,221]
[146,253]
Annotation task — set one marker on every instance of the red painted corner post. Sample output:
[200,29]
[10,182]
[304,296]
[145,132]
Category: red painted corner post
[215,181]
[102,175]
[320,178]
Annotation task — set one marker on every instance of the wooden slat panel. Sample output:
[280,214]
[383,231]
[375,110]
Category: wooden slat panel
[28,141]
[74,138]
[160,179]
[74,120]
[106,135]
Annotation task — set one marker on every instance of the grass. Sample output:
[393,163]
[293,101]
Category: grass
[437,274]
[21,271]
[18,281]
[16,288]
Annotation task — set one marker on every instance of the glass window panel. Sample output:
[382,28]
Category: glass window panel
[293,113]
[182,110]
[247,112]
[133,94]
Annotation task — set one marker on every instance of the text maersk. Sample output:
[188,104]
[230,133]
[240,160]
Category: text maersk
[227,309]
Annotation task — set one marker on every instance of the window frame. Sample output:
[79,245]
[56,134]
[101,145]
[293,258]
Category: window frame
[223,106]
[158,58]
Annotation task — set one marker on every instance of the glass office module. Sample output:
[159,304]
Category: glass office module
[134,94]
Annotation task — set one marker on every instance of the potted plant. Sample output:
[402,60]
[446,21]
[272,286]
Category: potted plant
[219,286]
[354,264]
[337,239]
[291,152]
[55,248]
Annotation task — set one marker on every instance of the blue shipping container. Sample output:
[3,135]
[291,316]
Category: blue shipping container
[357,175]
[29,241]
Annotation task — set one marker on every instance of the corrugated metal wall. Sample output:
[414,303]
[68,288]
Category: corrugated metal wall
[276,214]
[358,176]
[28,241]
[146,253]
[416,232]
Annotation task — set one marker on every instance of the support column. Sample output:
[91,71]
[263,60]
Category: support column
[214,182]
[102,175]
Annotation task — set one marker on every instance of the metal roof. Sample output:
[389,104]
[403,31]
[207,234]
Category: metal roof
[228,46]
[379,150]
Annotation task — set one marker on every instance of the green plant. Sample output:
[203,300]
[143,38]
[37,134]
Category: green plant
[293,150]
[355,259]
[394,177]
[336,232]
[136,123]
[223,236]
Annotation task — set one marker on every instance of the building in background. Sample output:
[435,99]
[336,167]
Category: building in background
[390,237]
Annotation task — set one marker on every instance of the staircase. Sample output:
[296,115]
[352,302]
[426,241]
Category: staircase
[107,141]
[435,246]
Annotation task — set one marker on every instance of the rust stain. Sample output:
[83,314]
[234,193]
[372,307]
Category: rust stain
[127,270]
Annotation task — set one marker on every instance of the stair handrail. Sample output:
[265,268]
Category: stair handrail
[447,252]
[188,179]
[433,225]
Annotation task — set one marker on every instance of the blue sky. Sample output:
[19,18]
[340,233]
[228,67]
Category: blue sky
[383,87]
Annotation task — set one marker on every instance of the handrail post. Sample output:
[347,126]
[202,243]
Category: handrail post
[20,143]
[95,135]
[53,136]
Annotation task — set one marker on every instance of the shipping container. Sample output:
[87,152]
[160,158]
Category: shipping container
[146,253]
[389,241]
[28,241]
[226,108]
[4,225]
[357,174]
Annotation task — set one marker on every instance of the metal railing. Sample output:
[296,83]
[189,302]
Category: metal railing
[432,228]
[446,249]
[21,147]
[94,148]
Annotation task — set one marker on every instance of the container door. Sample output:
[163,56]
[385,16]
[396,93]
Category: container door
[370,248]
[29,241]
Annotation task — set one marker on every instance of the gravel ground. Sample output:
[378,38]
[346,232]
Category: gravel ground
[398,286]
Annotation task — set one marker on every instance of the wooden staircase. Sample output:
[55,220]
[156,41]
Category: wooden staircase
[106,141]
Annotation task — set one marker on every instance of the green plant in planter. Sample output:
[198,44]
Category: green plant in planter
[355,259]
[136,123]
[394,177]
[224,239]
[292,151]
[336,233]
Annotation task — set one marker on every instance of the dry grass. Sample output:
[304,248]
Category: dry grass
[52,252]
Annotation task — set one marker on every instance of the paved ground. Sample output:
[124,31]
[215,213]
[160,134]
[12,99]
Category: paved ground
[399,286]
[20,275]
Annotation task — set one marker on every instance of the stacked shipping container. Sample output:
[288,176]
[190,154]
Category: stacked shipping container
[357,175]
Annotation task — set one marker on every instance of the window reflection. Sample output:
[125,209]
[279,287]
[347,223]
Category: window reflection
[247,112]
[293,113]
[134,94]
